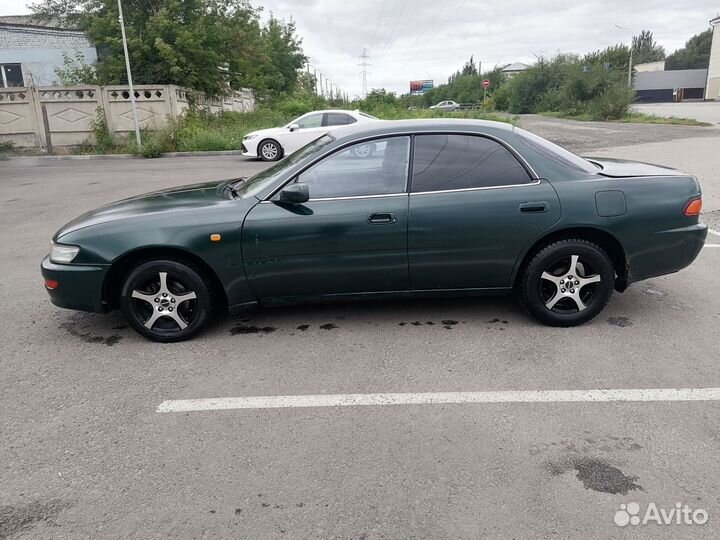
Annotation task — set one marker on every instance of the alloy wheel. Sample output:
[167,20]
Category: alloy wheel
[569,285]
[269,151]
[164,303]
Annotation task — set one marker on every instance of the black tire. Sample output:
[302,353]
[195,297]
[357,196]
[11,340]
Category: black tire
[556,300]
[269,150]
[161,314]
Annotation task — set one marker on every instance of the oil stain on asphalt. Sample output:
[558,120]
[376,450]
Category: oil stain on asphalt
[596,474]
[251,329]
[622,322]
[88,337]
[16,519]
[446,323]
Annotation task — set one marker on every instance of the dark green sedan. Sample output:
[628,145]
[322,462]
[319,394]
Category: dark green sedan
[436,207]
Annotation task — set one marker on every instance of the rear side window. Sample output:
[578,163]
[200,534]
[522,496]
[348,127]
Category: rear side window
[555,153]
[443,162]
[339,119]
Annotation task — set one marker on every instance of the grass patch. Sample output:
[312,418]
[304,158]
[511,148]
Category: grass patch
[199,131]
[631,117]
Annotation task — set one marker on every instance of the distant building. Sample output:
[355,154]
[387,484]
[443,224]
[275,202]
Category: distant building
[712,88]
[30,53]
[675,85]
[513,69]
[650,66]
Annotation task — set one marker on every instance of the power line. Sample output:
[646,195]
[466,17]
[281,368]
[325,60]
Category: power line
[364,56]
[461,4]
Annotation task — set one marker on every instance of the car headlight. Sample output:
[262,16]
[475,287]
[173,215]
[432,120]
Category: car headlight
[61,253]
[248,137]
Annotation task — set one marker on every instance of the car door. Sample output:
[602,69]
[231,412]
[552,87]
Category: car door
[310,127]
[474,208]
[350,237]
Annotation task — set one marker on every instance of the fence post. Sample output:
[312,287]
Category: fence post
[46,126]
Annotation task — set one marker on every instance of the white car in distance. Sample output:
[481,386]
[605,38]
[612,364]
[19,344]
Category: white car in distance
[274,143]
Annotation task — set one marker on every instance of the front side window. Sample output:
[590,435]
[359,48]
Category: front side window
[339,119]
[310,121]
[443,162]
[377,167]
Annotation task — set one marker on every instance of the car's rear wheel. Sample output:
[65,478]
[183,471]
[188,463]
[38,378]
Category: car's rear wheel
[269,150]
[567,283]
[166,300]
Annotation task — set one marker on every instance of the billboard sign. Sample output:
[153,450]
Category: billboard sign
[420,87]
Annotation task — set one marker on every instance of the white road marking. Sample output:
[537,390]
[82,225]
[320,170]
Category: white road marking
[713,231]
[437,398]
[712,245]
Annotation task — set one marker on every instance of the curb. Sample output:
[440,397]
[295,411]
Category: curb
[83,157]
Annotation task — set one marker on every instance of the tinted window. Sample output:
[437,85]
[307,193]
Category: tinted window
[374,168]
[554,152]
[463,161]
[312,121]
[339,119]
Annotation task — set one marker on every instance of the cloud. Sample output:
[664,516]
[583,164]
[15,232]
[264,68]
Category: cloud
[430,39]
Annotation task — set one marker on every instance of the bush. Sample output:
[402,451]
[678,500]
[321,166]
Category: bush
[613,104]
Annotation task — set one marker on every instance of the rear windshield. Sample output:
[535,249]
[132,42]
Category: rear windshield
[555,153]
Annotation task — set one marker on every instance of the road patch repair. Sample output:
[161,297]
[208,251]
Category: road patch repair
[440,398]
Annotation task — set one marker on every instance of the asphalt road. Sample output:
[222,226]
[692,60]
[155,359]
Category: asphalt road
[85,454]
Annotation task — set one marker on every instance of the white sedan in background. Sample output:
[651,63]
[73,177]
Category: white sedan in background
[273,143]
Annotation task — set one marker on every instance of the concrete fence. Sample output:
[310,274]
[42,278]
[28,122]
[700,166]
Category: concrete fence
[71,110]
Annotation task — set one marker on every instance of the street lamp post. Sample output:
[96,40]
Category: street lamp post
[630,63]
[129,76]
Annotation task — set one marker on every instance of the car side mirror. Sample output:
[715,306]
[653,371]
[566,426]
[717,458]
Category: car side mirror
[295,193]
[294,127]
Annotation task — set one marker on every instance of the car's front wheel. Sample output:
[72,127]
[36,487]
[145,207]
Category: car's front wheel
[269,150]
[567,283]
[166,300]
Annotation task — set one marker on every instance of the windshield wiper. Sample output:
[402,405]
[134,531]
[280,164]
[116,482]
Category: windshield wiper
[231,187]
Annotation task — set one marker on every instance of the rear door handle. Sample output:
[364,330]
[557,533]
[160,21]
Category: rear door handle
[534,207]
[382,217]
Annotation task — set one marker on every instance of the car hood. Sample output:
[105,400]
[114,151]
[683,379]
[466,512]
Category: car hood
[619,168]
[185,197]
[268,131]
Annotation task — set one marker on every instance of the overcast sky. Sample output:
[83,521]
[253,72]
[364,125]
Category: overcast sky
[430,39]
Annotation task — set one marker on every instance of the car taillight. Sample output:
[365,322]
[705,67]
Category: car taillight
[51,284]
[693,207]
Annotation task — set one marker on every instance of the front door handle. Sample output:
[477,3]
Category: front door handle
[534,207]
[382,217]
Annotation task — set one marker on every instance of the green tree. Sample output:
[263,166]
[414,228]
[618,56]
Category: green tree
[76,71]
[646,49]
[694,55]
[213,46]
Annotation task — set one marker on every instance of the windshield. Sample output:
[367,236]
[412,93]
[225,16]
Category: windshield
[555,153]
[263,179]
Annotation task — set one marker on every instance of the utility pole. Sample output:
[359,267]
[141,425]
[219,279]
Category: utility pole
[630,63]
[326,87]
[315,87]
[129,75]
[321,85]
[364,64]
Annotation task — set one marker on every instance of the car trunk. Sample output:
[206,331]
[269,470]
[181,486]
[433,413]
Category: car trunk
[618,168]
